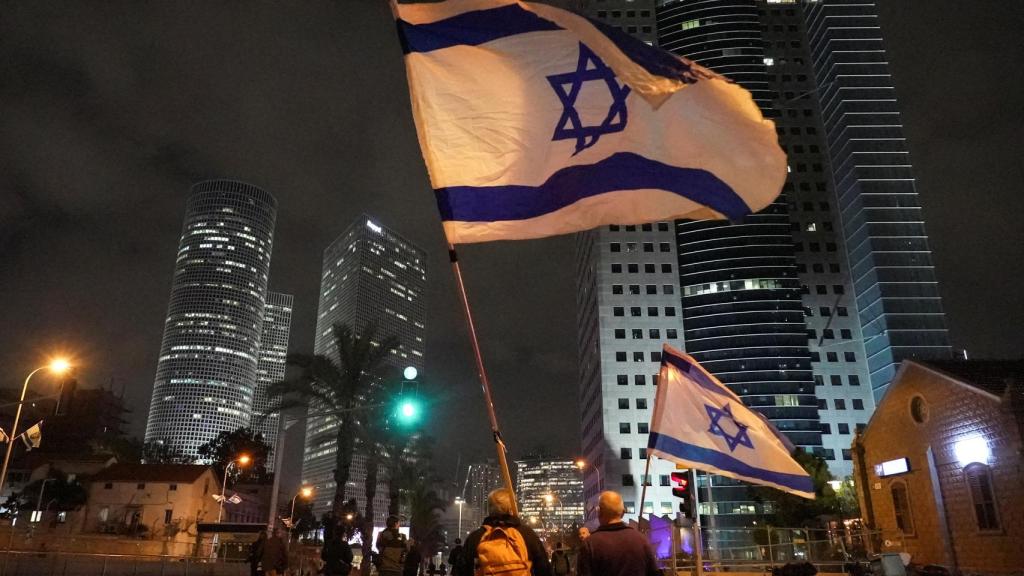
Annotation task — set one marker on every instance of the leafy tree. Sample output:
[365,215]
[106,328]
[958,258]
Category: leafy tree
[125,449]
[228,446]
[160,452]
[56,493]
[425,509]
[339,386]
[794,511]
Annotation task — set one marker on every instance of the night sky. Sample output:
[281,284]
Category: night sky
[110,111]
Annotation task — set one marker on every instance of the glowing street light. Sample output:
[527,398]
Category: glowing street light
[58,366]
[459,502]
[242,460]
[306,492]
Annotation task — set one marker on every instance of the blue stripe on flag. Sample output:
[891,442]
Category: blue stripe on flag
[620,171]
[698,454]
[471,28]
[696,375]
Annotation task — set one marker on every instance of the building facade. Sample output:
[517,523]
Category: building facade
[370,274]
[938,467]
[627,293]
[277,325]
[896,294]
[550,494]
[206,372]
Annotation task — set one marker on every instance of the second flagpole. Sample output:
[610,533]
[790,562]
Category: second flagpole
[499,442]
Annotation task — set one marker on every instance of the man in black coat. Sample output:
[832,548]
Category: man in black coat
[615,549]
[499,503]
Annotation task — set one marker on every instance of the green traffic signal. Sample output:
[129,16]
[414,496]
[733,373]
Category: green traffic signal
[409,411]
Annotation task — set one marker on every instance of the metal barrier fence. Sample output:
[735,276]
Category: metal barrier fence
[759,550]
[23,563]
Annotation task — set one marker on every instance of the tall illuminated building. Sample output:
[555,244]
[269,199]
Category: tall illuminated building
[207,369]
[550,494]
[277,322]
[369,274]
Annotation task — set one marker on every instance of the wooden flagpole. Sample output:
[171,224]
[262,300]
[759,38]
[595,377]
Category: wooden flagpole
[499,443]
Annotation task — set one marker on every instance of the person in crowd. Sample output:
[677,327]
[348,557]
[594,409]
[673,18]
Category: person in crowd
[560,561]
[503,545]
[274,555]
[583,533]
[337,555]
[413,560]
[615,549]
[455,556]
[255,553]
[391,549]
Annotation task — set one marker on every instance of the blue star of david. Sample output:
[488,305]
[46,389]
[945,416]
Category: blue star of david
[567,86]
[741,438]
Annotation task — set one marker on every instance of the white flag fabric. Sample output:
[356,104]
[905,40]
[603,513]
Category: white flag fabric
[535,121]
[33,437]
[700,423]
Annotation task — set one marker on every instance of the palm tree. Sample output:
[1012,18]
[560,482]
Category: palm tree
[339,389]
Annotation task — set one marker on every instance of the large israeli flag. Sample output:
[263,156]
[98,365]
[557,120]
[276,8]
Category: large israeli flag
[700,423]
[535,121]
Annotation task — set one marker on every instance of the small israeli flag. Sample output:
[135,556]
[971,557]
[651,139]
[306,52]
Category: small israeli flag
[535,121]
[699,423]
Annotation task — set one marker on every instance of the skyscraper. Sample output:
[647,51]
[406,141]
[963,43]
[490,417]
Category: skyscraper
[370,274]
[550,494]
[206,372]
[277,324]
[897,294]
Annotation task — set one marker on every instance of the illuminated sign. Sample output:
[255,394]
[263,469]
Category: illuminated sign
[374,227]
[892,467]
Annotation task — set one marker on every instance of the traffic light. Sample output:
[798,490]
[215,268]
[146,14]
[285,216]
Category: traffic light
[681,490]
[408,409]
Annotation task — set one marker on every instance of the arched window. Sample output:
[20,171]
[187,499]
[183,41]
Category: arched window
[979,482]
[901,507]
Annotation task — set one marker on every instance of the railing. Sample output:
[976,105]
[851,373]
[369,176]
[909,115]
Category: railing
[39,563]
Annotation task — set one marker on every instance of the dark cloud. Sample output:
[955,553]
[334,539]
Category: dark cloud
[110,111]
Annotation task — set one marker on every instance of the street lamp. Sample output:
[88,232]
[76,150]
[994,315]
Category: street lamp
[582,464]
[459,502]
[57,366]
[306,492]
[242,460]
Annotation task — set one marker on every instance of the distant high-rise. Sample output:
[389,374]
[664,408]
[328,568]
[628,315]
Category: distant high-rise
[206,372]
[277,323]
[550,493]
[897,292]
[370,274]
[481,478]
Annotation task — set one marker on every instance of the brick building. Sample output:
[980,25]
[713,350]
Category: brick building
[939,465]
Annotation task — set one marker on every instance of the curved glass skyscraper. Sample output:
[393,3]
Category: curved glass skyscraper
[207,369]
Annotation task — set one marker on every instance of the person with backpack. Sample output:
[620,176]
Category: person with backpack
[615,548]
[391,549]
[560,561]
[502,546]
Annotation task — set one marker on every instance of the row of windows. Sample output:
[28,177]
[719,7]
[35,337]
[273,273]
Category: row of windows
[627,453]
[836,380]
[635,268]
[833,356]
[830,334]
[637,357]
[815,246]
[638,379]
[840,404]
[822,289]
[841,428]
[647,246]
[638,333]
[826,311]
[641,428]
[641,403]
[618,13]
[818,268]
[830,454]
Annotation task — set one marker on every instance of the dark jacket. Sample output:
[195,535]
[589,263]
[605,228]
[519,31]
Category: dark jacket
[337,557]
[413,559]
[616,550]
[274,555]
[534,548]
[455,556]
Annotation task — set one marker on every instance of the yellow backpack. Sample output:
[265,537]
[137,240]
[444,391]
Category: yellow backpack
[502,552]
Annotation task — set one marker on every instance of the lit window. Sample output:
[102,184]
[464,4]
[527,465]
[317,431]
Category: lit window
[979,482]
[691,24]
